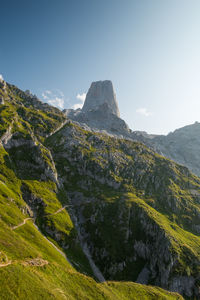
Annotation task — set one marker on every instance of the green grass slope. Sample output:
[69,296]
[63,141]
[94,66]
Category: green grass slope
[31,267]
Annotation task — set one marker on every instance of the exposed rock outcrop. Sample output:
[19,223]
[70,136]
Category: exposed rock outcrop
[182,145]
[101,114]
[32,159]
[3,92]
[100,110]
[101,93]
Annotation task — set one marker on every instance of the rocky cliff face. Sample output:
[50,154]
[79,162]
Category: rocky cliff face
[101,94]
[100,110]
[182,145]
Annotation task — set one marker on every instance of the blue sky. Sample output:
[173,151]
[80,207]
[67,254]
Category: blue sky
[150,49]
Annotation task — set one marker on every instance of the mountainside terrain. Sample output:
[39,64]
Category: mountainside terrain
[146,203]
[100,112]
[84,214]
[182,145]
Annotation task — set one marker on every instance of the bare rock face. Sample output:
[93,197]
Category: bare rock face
[99,94]
[100,111]
[182,145]
[2,91]
[1,100]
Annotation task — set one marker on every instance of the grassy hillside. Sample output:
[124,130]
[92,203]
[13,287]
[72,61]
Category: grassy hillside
[34,206]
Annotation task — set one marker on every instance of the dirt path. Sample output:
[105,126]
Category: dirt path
[84,246]
[24,222]
[6,261]
[60,209]
[6,264]
[61,126]
[21,224]
[36,262]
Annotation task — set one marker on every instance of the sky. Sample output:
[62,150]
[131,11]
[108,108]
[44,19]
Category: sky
[150,49]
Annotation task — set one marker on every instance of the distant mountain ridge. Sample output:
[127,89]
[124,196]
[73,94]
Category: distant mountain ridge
[100,112]
[182,145]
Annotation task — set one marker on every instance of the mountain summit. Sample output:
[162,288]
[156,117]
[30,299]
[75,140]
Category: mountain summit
[101,93]
[100,111]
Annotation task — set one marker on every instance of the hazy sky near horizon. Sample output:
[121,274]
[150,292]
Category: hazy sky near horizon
[150,49]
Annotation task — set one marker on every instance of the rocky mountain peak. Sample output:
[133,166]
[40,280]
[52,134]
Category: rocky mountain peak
[101,92]
[100,111]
